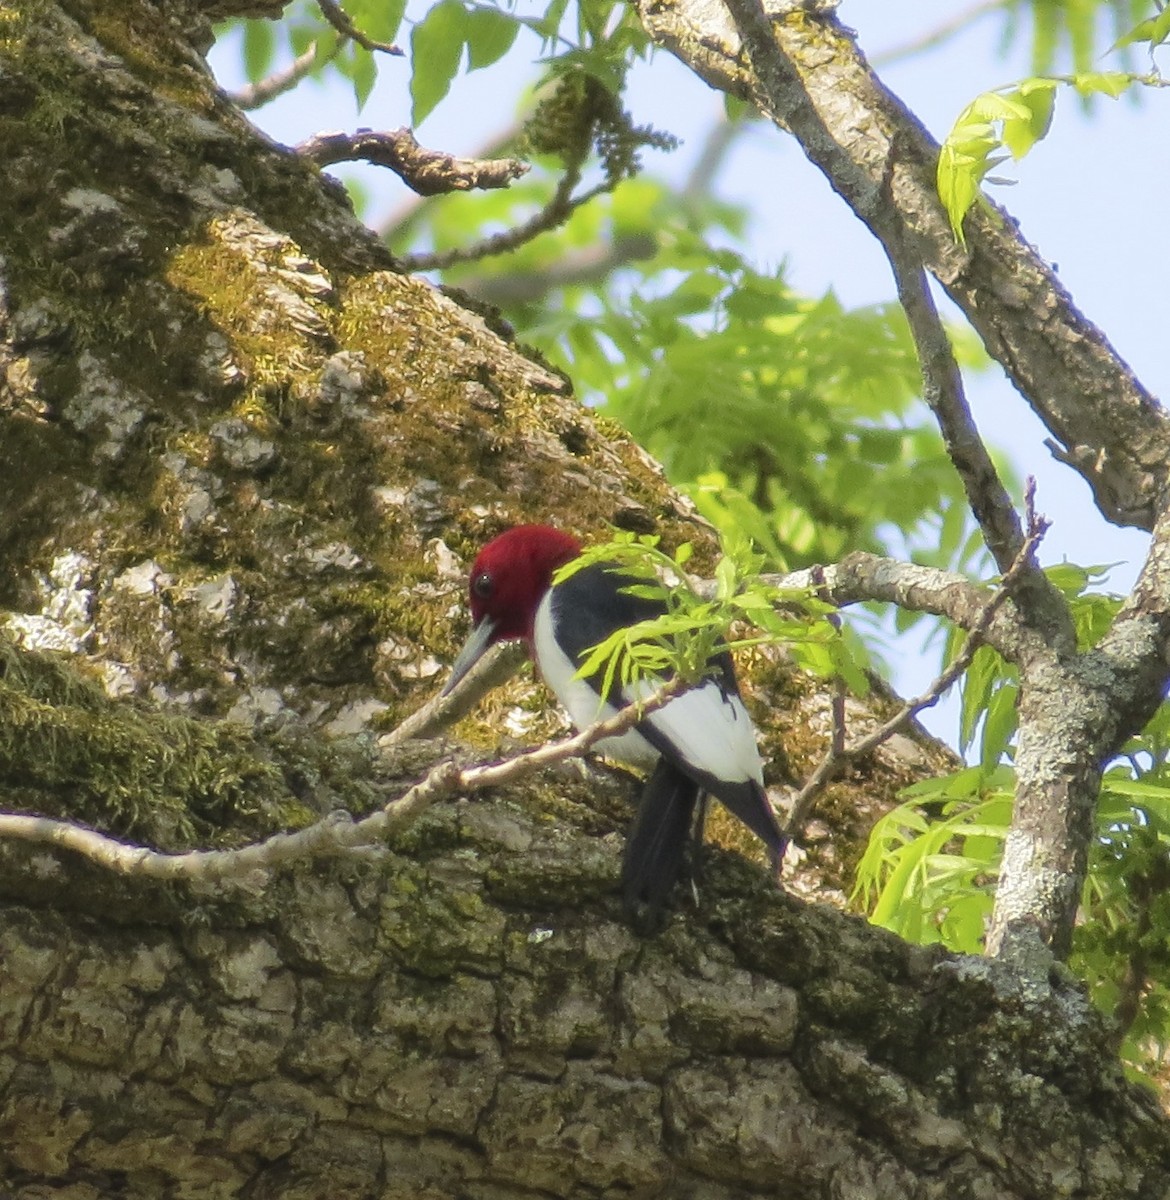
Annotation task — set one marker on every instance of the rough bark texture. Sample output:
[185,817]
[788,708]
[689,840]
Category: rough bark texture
[242,465]
[466,1014]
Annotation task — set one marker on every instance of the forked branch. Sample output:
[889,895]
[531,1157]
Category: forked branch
[840,755]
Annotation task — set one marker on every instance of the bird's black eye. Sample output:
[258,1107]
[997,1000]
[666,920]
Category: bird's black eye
[482,585]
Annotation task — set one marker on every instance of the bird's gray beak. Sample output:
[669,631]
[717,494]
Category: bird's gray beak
[473,650]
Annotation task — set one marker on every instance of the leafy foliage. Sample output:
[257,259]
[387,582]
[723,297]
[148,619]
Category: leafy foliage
[930,869]
[693,629]
[1008,122]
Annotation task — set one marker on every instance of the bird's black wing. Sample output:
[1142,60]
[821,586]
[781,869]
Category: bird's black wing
[590,605]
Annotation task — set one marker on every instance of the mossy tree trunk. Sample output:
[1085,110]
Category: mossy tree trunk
[242,467]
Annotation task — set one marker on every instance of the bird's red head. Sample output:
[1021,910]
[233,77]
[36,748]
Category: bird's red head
[508,581]
[511,575]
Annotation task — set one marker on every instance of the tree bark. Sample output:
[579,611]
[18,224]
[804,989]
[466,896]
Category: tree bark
[244,463]
[466,1014]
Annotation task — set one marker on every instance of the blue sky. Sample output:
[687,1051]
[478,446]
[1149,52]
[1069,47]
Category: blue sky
[1092,198]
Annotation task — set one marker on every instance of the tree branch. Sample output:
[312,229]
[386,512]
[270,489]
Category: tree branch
[942,388]
[336,833]
[258,94]
[332,11]
[840,756]
[941,33]
[428,172]
[441,711]
[398,223]
[577,268]
[556,212]
[862,577]
[804,71]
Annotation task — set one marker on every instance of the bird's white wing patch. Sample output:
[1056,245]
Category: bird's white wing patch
[708,729]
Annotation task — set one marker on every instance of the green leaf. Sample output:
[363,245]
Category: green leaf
[1105,83]
[489,34]
[1036,99]
[377,19]
[364,75]
[999,725]
[1154,30]
[986,670]
[436,50]
[259,48]
[548,25]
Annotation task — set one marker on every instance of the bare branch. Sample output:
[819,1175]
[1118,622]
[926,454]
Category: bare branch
[862,577]
[428,172]
[939,34]
[332,11]
[399,222]
[589,265]
[497,666]
[335,834]
[840,756]
[556,212]
[595,262]
[717,145]
[257,94]
[942,388]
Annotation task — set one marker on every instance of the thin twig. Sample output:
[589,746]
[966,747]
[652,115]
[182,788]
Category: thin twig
[556,212]
[428,172]
[835,761]
[719,141]
[588,265]
[279,82]
[599,260]
[339,19]
[937,35]
[497,666]
[335,834]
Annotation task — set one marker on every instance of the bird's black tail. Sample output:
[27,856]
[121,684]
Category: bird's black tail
[657,843]
[749,802]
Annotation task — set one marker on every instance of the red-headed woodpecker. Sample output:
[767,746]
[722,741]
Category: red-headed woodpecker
[702,741]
